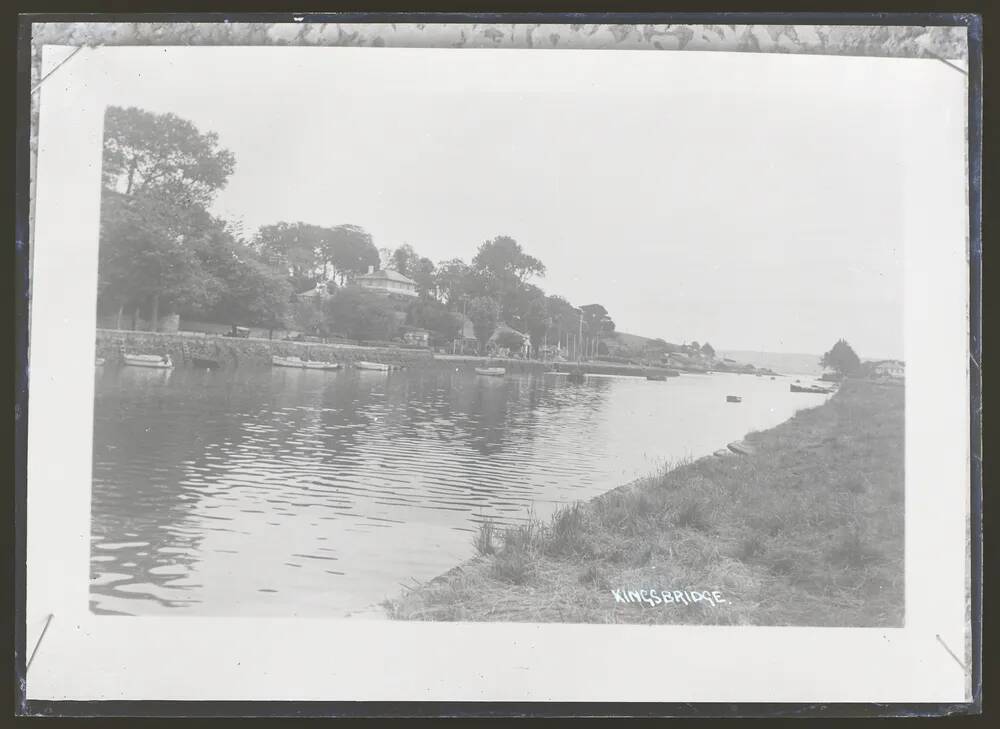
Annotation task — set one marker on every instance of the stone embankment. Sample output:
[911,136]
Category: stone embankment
[235,352]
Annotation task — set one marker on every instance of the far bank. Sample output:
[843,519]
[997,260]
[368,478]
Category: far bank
[806,528]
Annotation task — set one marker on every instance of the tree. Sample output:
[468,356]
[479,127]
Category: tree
[402,258]
[485,314]
[361,315]
[253,292]
[503,269]
[422,272]
[159,174]
[147,152]
[503,257]
[842,359]
[146,257]
[562,317]
[596,320]
[455,280]
[297,248]
[708,350]
[433,316]
[350,250]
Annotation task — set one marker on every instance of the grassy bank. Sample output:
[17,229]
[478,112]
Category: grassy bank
[805,530]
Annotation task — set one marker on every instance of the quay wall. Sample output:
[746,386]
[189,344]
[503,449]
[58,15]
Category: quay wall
[234,352]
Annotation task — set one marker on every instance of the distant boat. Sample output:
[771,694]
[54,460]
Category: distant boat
[814,390]
[376,366]
[205,363]
[734,398]
[303,364]
[99,361]
[491,371]
[657,378]
[157,361]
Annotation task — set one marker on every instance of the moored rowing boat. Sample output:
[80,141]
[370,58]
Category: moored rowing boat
[156,361]
[373,366]
[303,364]
[491,371]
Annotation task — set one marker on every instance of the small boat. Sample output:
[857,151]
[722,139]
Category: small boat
[375,366]
[576,377]
[657,378]
[303,364]
[734,398]
[99,362]
[491,371]
[157,361]
[813,390]
[205,363]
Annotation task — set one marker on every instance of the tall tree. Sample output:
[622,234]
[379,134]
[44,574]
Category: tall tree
[503,258]
[402,258]
[297,248]
[842,359]
[350,250]
[485,315]
[145,152]
[708,350]
[159,174]
[422,272]
[455,281]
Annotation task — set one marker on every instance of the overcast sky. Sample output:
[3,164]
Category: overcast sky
[753,201]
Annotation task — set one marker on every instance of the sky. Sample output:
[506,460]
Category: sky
[754,201]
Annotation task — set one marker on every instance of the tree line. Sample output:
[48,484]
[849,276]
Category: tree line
[162,252]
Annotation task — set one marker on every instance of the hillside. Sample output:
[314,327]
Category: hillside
[783,362]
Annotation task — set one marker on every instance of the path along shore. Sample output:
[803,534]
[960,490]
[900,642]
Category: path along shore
[804,528]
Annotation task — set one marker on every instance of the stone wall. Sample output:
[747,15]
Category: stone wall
[232,352]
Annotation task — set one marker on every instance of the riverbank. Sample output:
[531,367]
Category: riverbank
[805,529]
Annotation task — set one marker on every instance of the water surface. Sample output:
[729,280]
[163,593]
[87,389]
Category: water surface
[303,493]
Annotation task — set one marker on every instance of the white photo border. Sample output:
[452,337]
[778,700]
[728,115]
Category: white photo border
[89,657]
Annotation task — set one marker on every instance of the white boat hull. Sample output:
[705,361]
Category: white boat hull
[148,360]
[491,371]
[374,366]
[303,364]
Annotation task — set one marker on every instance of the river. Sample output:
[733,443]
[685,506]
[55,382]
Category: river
[283,492]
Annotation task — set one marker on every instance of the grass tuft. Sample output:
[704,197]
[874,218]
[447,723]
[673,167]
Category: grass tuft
[483,541]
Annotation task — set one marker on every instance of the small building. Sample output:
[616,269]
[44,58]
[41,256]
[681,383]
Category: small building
[320,292]
[417,337]
[502,329]
[387,281]
[889,368]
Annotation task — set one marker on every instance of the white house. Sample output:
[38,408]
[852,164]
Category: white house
[889,368]
[387,281]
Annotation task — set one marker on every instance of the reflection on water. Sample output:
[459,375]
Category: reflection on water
[310,493]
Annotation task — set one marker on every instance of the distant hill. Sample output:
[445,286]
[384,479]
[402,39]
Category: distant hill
[633,341]
[783,362]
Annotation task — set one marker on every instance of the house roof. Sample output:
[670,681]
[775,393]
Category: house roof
[506,328]
[386,274]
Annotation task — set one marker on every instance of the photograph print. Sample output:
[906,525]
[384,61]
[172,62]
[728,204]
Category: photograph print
[546,336]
